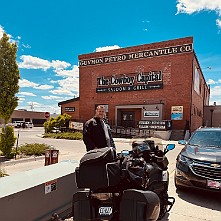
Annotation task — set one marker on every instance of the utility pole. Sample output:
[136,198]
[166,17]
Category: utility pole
[32,106]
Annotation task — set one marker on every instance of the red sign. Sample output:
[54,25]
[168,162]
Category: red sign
[47,114]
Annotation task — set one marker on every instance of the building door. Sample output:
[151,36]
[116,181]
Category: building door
[127,119]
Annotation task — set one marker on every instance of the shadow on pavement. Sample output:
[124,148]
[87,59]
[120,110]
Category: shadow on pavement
[3,159]
[207,199]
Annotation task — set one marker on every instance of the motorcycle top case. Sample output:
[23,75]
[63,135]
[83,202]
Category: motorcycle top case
[98,169]
[139,205]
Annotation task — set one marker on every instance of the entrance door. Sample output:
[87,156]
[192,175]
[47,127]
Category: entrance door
[127,119]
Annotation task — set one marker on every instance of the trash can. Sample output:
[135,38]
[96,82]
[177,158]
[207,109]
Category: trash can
[47,157]
[54,156]
[51,156]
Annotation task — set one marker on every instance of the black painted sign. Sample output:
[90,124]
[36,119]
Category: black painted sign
[130,88]
[141,81]
[155,124]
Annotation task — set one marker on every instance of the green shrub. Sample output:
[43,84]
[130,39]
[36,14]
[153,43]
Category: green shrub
[3,173]
[35,149]
[65,135]
[57,122]
[7,140]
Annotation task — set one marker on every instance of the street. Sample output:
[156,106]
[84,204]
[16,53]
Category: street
[189,205]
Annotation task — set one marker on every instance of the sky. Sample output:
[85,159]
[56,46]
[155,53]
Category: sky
[50,35]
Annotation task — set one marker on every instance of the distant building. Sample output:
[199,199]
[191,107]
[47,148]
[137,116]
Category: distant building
[212,115]
[37,118]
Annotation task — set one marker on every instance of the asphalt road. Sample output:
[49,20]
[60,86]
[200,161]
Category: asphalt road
[190,205]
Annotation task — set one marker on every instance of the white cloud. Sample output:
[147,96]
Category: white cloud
[68,73]
[70,83]
[107,48]
[59,64]
[192,6]
[216,91]
[27,94]
[26,46]
[30,62]
[44,87]
[51,97]
[11,38]
[215,95]
[27,83]
[211,81]
[35,106]
[218,23]
[21,99]
[62,91]
[34,103]
[1,31]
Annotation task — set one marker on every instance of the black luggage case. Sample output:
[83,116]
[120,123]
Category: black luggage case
[81,208]
[138,205]
[100,206]
[98,169]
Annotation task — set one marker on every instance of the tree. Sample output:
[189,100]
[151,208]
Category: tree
[9,77]
[59,122]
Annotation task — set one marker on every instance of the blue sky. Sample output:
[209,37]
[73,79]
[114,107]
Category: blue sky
[51,34]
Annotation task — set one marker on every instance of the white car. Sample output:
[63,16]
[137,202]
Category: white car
[22,124]
[28,124]
[18,124]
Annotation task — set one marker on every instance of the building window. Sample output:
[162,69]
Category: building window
[69,109]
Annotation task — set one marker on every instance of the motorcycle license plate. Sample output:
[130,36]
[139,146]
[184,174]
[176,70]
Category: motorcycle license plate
[105,210]
[214,184]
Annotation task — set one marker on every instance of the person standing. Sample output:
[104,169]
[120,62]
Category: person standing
[97,133]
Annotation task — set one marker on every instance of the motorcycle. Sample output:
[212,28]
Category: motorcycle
[127,186]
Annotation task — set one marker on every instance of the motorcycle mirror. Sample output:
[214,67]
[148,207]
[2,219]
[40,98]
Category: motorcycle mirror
[125,152]
[169,147]
[182,142]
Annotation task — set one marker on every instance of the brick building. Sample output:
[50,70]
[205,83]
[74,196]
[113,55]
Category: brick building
[150,82]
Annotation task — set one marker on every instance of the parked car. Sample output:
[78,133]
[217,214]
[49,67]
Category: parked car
[198,164]
[18,124]
[29,124]
[22,124]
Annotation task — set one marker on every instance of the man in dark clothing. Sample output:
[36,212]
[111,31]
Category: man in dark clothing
[96,132]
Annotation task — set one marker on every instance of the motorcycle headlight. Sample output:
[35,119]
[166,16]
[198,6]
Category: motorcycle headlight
[184,159]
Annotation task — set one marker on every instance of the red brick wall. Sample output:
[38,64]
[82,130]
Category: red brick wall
[198,100]
[74,115]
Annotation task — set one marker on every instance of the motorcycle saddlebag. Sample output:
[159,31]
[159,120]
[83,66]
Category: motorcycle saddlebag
[81,207]
[98,170]
[138,205]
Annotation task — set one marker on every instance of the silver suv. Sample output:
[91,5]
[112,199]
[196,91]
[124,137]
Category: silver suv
[199,162]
